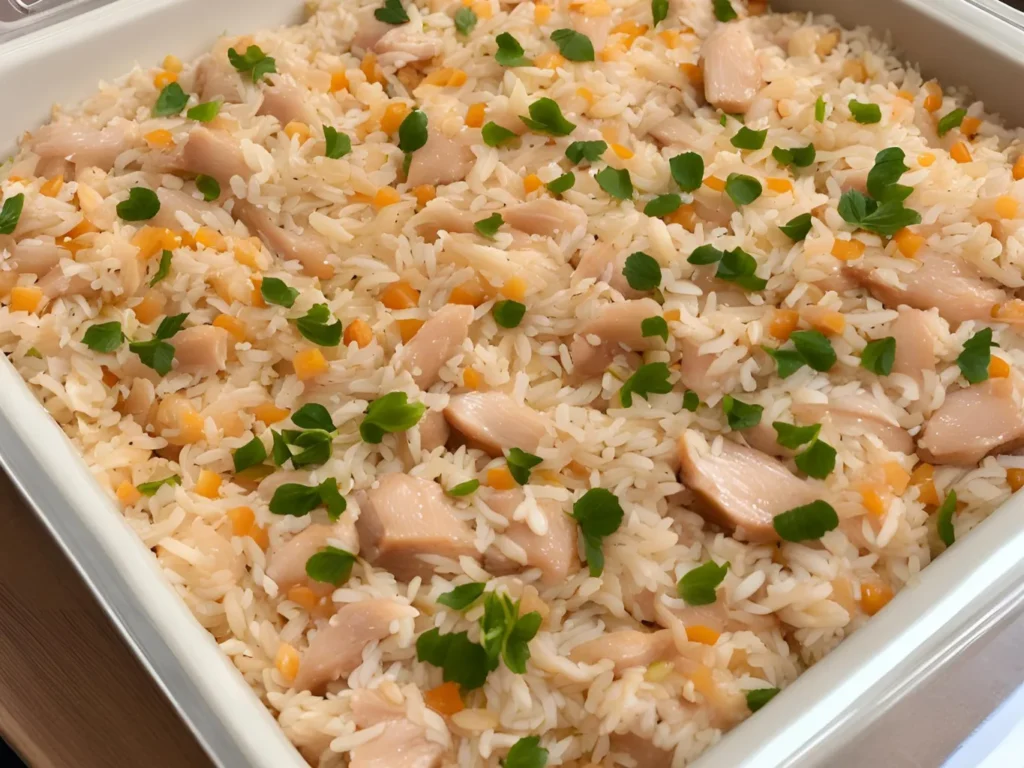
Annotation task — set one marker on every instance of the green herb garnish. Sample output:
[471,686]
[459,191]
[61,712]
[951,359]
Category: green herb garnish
[546,117]
[462,596]
[510,53]
[489,227]
[800,157]
[950,121]
[208,186]
[249,455]
[563,183]
[103,337]
[573,45]
[705,254]
[648,379]
[412,133]
[391,12]
[314,326]
[171,101]
[879,355]
[723,10]
[976,355]
[687,170]
[391,413]
[742,189]
[520,463]
[337,144]
[797,228]
[616,183]
[495,135]
[792,436]
[817,461]
[275,291]
[527,752]
[142,204]
[815,349]
[254,61]
[463,489]
[654,326]
[944,519]
[590,151]
[741,415]
[465,20]
[299,500]
[865,114]
[811,521]
[599,515]
[508,313]
[746,138]
[698,585]
[205,112]
[11,213]
[150,488]
[331,566]
[663,205]
[642,272]
[737,266]
[759,697]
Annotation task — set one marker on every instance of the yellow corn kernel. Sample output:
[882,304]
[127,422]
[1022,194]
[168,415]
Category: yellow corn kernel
[287,661]
[1015,478]
[303,596]
[210,238]
[164,78]
[908,243]
[685,215]
[191,426]
[369,67]
[257,299]
[659,671]
[514,288]
[208,484]
[670,37]
[587,95]
[970,126]
[873,500]
[921,478]
[151,307]
[386,196]
[475,115]
[896,477]
[933,99]
[1018,168]
[358,331]
[1006,207]
[84,227]
[693,73]
[826,43]
[469,293]
[51,187]
[874,597]
[532,183]
[438,77]
[232,325]
[309,363]
[855,70]
[127,494]
[160,138]
[906,96]
[269,413]
[471,379]
[299,130]
[541,13]
[445,699]
[847,250]
[482,9]
[925,159]
[673,316]
[624,152]
[172,63]
[783,323]
[593,8]
[828,322]
[715,183]
[698,633]
[500,479]
[247,251]
[998,368]
[25,298]
[400,295]
[407,329]
[424,193]
[960,152]
[631,28]
[549,60]
[778,185]
[260,536]
[394,114]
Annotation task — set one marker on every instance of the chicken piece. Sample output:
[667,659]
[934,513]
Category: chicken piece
[287,102]
[84,145]
[406,516]
[617,326]
[216,154]
[972,423]
[715,616]
[740,489]
[404,44]
[732,73]
[337,648]
[57,282]
[201,350]
[369,707]
[597,28]
[626,648]
[140,401]
[693,371]
[674,131]
[215,79]
[440,216]
[309,249]
[442,160]
[946,282]
[173,202]
[494,422]
[370,29]
[763,437]
[545,217]
[554,552]
[915,343]
[858,415]
[604,262]
[642,750]
[436,342]
[286,564]
[433,431]
[403,744]
[32,257]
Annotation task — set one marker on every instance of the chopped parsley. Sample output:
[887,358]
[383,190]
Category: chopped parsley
[663,205]
[691,400]
[337,144]
[464,489]
[465,20]
[412,133]
[11,213]
[737,266]
[950,121]
[599,515]
[508,313]
[792,436]
[275,291]
[758,697]
[563,183]
[208,186]
[797,228]
[687,170]
[315,327]
[654,326]
[863,113]
[254,61]
[546,117]
[463,596]
[724,10]
[746,138]
[590,151]
[698,585]
[520,463]
[642,272]
[391,12]
[884,174]
[944,519]
[741,415]
[879,356]
[150,488]
[157,353]
[171,101]
[299,500]
[648,379]
[391,413]
[819,109]
[976,355]
[526,753]
[205,112]
[489,227]
[811,521]
[330,565]
[815,349]
[103,337]
[249,455]
[573,45]
[659,11]
[616,183]
[462,661]
[799,157]
[787,361]
[495,135]
[884,219]
[510,53]
[313,416]
[817,461]
[142,204]
[742,189]
[705,254]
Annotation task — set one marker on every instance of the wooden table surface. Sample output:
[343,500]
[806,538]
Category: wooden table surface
[71,692]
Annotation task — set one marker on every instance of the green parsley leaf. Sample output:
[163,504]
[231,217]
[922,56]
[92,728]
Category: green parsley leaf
[642,272]
[142,204]
[508,313]
[465,20]
[463,489]
[745,138]
[313,326]
[800,157]
[331,566]
[698,585]
[275,291]
[205,112]
[811,521]
[527,752]
[406,163]
[865,114]
[817,461]
[314,446]
[11,213]
[462,596]
[489,227]
[691,400]
[463,661]
[599,515]
[723,120]
[412,133]
[885,219]
[546,117]
[170,325]
[819,109]
[506,634]
[171,101]
[313,416]
[797,228]
[705,254]
[280,452]
[520,463]
[154,353]
[879,355]
[150,488]
[495,135]
[742,189]
[391,12]
[299,500]
[884,174]
[815,348]
[33,352]
[510,53]
[663,205]
[575,46]
[854,206]
[723,10]
[337,144]
[759,697]
[253,61]
[103,337]
[976,355]
[687,170]
[951,120]
[792,436]
[249,455]
[563,183]
[648,379]
[616,183]
[262,68]
[654,326]
[944,519]
[208,186]
[737,266]
[590,151]
[787,361]
[391,413]
[659,11]
[741,415]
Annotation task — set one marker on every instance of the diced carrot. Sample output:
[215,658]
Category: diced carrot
[151,306]
[339,81]
[109,377]
[471,378]
[624,152]
[260,536]
[257,292]
[783,323]
[670,37]
[960,152]
[172,63]
[514,288]
[84,227]
[970,126]
[998,368]
[922,479]
[287,661]
[475,115]
[549,60]
[673,315]
[827,321]
[369,67]
[847,250]
[693,73]
[780,186]
[269,413]
[685,216]
[408,328]
[874,597]
[358,331]
[925,159]
[127,493]
[309,363]
[304,596]
[25,298]
[164,78]
[595,8]
[500,479]
[386,196]
[896,477]
[400,295]
[541,13]
[631,28]
[1015,478]
[150,240]
[1018,168]
[933,100]
[905,95]
[208,484]
[445,699]
[394,114]
[160,138]
[873,500]
[424,193]
[715,183]
[1006,207]
[531,183]
[698,633]
[908,243]
[469,293]
[232,325]
[52,186]
[438,77]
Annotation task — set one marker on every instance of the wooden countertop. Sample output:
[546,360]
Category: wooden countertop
[71,692]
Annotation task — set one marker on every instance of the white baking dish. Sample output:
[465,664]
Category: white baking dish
[969,590]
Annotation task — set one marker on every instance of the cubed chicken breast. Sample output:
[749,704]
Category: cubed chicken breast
[972,423]
[436,342]
[732,72]
[495,422]
[553,552]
